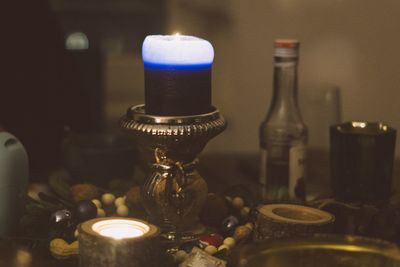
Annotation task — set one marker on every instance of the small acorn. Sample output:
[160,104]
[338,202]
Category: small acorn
[81,192]
[229,225]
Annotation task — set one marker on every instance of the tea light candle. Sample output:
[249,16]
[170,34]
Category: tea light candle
[121,228]
[177,75]
[116,241]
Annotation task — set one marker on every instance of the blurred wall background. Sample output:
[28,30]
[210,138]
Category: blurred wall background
[351,44]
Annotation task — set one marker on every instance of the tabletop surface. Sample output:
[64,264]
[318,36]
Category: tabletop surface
[220,172]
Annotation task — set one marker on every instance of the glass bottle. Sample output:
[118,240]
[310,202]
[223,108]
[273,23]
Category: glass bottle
[283,134]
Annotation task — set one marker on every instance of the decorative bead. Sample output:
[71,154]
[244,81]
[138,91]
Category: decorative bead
[107,198]
[123,211]
[101,213]
[211,249]
[228,225]
[238,203]
[241,232]
[230,242]
[242,191]
[23,257]
[223,247]
[119,201]
[212,239]
[228,198]
[244,212]
[180,256]
[86,210]
[61,219]
[97,203]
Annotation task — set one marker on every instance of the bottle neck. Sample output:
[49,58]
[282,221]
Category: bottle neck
[285,85]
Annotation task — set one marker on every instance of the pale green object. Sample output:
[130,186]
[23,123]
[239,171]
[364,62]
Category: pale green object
[14,173]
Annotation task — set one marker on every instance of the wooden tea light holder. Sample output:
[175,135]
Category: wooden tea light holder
[286,220]
[118,242]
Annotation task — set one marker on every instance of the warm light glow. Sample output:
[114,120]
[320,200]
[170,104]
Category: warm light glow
[120,228]
[359,124]
[177,34]
[23,258]
[77,41]
[383,127]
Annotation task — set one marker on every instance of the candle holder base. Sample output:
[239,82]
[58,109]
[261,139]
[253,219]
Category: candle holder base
[189,235]
[174,192]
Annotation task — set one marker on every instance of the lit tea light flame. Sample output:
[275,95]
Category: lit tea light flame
[121,228]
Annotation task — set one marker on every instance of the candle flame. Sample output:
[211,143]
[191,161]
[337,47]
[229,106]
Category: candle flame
[121,232]
[120,228]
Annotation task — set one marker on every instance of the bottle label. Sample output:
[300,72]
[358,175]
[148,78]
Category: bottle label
[297,171]
[289,64]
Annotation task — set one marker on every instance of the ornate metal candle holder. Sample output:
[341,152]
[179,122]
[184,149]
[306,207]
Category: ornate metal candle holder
[174,192]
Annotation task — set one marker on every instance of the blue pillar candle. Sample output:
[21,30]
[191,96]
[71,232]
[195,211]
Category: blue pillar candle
[177,75]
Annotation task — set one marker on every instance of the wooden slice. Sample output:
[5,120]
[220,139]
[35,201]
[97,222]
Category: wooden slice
[287,220]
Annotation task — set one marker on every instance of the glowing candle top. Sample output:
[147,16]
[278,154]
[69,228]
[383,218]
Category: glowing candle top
[177,51]
[121,228]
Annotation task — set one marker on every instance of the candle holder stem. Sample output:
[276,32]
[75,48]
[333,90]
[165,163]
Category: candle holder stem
[174,192]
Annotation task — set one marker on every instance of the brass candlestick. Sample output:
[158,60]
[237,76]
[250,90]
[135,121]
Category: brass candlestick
[174,192]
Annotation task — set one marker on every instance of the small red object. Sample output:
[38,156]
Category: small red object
[215,240]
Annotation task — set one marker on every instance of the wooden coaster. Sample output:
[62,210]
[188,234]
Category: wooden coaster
[286,220]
